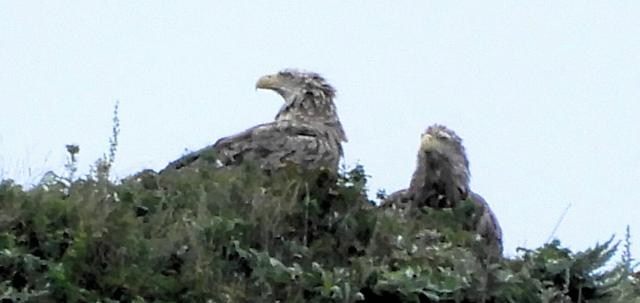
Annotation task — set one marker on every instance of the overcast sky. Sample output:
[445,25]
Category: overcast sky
[546,95]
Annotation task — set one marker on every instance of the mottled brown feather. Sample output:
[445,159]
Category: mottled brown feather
[441,179]
[306,131]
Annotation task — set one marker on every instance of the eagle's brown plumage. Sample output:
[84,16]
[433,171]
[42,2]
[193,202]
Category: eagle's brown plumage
[442,175]
[306,131]
[441,179]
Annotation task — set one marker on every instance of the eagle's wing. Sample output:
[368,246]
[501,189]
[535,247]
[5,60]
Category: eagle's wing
[272,145]
[488,225]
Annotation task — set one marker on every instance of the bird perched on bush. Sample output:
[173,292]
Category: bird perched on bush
[442,175]
[306,132]
[441,179]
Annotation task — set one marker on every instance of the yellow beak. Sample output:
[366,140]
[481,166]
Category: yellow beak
[427,141]
[267,82]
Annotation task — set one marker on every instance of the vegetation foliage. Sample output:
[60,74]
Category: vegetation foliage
[238,235]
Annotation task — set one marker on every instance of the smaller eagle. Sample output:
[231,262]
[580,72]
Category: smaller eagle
[441,179]
[442,175]
[306,132]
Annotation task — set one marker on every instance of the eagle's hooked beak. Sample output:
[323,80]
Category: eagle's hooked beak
[267,82]
[426,137]
[428,141]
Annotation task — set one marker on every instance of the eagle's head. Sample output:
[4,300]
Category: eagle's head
[308,99]
[438,138]
[292,82]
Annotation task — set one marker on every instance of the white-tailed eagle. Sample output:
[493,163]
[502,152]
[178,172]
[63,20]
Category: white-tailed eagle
[306,132]
[441,179]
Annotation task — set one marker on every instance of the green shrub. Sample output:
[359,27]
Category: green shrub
[237,235]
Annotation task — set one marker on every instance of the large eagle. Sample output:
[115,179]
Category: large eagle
[306,132]
[441,179]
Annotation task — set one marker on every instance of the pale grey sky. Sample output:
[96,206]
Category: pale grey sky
[545,94]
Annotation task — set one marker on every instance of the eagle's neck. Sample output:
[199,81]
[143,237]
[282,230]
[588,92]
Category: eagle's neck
[441,178]
[312,107]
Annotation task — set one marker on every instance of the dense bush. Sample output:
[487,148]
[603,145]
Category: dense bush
[237,235]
